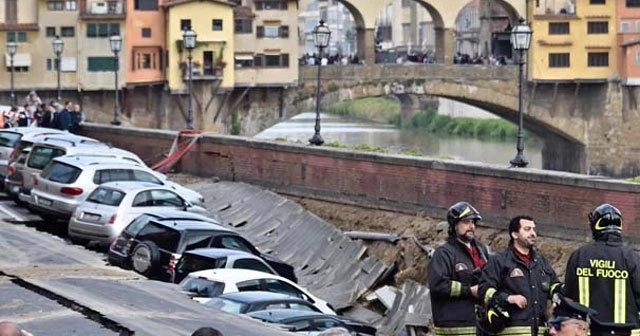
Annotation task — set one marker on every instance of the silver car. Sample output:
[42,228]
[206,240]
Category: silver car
[112,206]
[68,180]
[15,139]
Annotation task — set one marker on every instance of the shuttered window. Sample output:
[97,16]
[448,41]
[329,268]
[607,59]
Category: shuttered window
[95,64]
[598,59]
[559,60]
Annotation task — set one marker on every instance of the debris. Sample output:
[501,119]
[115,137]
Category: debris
[386,295]
[381,236]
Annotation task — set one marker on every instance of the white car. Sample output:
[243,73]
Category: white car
[242,280]
[14,139]
[112,206]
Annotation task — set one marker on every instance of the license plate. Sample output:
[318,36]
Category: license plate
[90,217]
[45,201]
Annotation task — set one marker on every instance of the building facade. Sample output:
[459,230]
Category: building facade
[144,48]
[628,42]
[265,43]
[339,20]
[573,40]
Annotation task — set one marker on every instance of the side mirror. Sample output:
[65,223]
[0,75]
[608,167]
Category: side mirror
[186,205]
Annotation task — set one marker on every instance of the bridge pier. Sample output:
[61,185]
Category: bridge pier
[444,45]
[366,45]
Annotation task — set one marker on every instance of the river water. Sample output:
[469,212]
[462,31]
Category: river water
[351,132]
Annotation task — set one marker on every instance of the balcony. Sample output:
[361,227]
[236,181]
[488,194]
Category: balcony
[102,10]
[555,9]
[202,73]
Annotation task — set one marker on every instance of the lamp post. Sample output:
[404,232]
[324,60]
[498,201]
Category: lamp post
[321,35]
[11,50]
[189,42]
[116,45]
[520,41]
[58,46]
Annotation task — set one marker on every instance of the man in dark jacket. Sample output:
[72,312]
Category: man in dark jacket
[604,275]
[521,280]
[453,274]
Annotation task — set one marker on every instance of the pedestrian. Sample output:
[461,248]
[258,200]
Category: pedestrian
[520,280]
[11,329]
[207,331]
[570,318]
[32,100]
[453,273]
[604,274]
[338,331]
[47,116]
[23,116]
[63,117]
[77,117]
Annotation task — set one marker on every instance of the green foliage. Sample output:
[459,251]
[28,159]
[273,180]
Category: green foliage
[411,151]
[463,126]
[380,109]
[368,148]
[635,179]
[335,144]
[235,123]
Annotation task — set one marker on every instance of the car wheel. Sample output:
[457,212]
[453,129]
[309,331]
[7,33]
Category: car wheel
[145,258]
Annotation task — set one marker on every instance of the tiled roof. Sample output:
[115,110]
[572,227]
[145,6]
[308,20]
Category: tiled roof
[243,12]
[170,3]
[18,26]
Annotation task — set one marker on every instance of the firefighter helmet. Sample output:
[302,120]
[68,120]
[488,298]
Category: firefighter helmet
[461,211]
[492,318]
[605,218]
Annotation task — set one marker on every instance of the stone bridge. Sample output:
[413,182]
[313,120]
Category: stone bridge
[583,125]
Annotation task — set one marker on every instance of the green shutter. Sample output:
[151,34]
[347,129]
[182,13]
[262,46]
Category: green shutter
[95,64]
[22,36]
[114,29]
[91,30]
[11,36]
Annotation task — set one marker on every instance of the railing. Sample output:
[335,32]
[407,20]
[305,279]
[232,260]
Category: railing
[555,7]
[103,9]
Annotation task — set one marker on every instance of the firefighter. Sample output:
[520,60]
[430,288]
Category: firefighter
[603,275]
[453,273]
[521,280]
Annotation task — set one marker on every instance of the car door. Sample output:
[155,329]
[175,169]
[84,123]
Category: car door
[147,201]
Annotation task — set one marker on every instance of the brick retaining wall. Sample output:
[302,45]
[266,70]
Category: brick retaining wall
[558,201]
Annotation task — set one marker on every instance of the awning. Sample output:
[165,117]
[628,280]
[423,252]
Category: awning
[243,57]
[19,60]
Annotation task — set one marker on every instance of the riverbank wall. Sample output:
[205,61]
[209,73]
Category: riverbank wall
[558,201]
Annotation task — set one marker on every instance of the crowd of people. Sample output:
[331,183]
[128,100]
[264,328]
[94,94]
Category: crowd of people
[309,59]
[475,293]
[65,117]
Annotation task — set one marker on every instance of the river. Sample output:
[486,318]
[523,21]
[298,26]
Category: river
[352,132]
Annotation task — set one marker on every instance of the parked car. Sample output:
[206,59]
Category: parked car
[51,147]
[111,206]
[13,140]
[67,181]
[242,280]
[251,301]
[311,323]
[210,258]
[13,180]
[152,246]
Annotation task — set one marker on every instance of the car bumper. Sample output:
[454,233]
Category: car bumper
[117,259]
[104,234]
[12,188]
[55,207]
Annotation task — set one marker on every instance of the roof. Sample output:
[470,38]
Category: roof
[243,12]
[69,138]
[171,3]
[129,186]
[104,161]
[279,315]
[32,130]
[220,252]
[234,275]
[171,214]
[256,296]
[192,225]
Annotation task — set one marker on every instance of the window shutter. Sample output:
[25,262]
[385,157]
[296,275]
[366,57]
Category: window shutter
[133,61]
[285,60]
[258,5]
[284,31]
[257,60]
[260,31]
[284,5]
[160,60]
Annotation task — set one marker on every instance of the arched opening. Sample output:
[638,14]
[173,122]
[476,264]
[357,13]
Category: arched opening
[482,32]
[404,32]
[346,24]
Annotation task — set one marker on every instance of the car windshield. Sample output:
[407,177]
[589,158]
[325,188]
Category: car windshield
[202,287]
[106,196]
[227,305]
[137,224]
[61,173]
[193,239]
[42,155]
[9,139]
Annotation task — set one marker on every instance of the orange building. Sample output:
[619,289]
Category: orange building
[628,15]
[144,47]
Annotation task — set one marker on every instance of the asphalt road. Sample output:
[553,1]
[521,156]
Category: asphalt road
[51,287]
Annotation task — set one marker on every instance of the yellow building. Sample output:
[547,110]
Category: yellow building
[572,40]
[212,21]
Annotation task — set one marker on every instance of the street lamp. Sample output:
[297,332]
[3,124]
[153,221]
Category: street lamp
[520,41]
[11,50]
[58,45]
[116,45]
[321,35]
[189,42]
